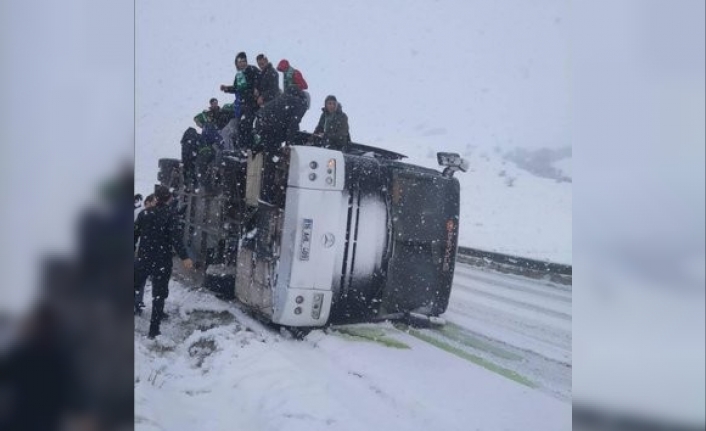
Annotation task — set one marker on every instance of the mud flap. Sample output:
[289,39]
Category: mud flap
[253,183]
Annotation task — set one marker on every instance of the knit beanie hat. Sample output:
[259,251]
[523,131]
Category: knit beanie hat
[330,97]
[283,65]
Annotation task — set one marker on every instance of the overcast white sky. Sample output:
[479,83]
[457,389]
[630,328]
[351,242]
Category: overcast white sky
[413,77]
[485,73]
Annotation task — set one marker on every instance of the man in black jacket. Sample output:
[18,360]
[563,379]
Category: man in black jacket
[277,122]
[269,81]
[158,232]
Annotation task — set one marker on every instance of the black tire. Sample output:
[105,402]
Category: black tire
[298,332]
[222,285]
[170,173]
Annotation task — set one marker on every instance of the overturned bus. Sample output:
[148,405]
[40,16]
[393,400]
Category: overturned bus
[349,237]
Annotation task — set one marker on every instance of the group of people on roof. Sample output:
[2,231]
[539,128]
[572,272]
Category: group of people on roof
[262,116]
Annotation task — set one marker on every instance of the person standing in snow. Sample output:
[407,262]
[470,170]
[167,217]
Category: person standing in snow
[292,76]
[245,84]
[158,232]
[268,88]
[333,126]
[150,202]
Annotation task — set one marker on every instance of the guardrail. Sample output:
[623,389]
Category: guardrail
[557,272]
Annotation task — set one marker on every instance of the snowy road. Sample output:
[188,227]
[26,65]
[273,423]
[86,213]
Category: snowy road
[502,362]
[530,319]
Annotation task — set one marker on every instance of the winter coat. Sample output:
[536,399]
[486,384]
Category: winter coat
[244,83]
[190,142]
[292,76]
[158,231]
[278,121]
[334,128]
[269,83]
[219,117]
[206,116]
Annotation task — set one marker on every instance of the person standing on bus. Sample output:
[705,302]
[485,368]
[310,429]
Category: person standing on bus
[277,122]
[293,77]
[268,88]
[158,232]
[245,86]
[333,126]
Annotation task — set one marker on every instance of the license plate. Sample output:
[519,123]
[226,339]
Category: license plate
[305,248]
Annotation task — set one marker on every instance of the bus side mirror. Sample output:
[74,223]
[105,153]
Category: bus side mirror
[453,162]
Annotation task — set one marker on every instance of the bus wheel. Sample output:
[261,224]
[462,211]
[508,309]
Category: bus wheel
[298,332]
[222,285]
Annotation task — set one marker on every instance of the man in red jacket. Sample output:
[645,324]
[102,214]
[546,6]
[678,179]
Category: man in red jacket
[292,76]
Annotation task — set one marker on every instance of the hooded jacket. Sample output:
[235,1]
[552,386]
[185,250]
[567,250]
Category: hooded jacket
[334,127]
[292,76]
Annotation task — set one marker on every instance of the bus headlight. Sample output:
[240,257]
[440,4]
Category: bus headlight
[331,169]
[316,307]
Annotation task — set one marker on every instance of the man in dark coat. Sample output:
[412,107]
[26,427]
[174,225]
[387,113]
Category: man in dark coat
[333,126]
[278,122]
[269,81]
[245,84]
[158,232]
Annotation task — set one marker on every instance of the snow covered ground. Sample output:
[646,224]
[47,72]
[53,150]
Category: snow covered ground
[216,368]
